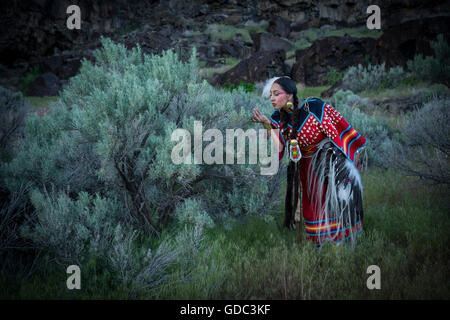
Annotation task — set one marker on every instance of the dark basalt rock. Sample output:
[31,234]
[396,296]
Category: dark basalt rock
[150,42]
[47,84]
[395,47]
[34,32]
[266,42]
[279,27]
[63,66]
[313,64]
[234,48]
[402,42]
[340,85]
[257,67]
[33,29]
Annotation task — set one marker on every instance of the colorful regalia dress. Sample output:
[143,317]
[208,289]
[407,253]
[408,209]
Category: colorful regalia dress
[331,188]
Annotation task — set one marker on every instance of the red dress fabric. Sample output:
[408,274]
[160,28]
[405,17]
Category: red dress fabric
[318,227]
[322,122]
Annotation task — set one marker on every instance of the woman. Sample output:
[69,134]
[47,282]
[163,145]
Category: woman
[325,177]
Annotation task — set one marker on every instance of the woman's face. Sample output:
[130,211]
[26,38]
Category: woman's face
[279,97]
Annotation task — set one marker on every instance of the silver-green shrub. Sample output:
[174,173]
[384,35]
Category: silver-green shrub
[12,114]
[378,134]
[141,269]
[191,212]
[11,216]
[110,133]
[73,230]
[433,68]
[99,164]
[373,77]
[424,149]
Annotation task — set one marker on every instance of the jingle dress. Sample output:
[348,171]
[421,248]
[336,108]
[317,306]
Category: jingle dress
[330,182]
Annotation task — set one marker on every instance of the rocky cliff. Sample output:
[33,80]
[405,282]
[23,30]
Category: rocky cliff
[35,33]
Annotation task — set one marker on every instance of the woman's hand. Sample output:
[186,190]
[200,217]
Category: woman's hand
[258,117]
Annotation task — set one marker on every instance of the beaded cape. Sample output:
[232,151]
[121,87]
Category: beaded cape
[320,122]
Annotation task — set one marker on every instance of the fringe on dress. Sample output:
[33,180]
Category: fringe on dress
[332,195]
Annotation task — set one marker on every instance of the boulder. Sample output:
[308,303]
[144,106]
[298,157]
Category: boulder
[47,84]
[279,27]
[150,42]
[267,42]
[33,29]
[234,48]
[307,14]
[52,63]
[258,67]
[313,64]
[395,47]
[70,67]
[340,85]
[402,42]
[63,66]
[37,28]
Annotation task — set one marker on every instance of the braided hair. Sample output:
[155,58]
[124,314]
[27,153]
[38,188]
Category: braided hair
[293,172]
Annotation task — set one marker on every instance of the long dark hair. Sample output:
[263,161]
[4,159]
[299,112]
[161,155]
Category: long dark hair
[293,173]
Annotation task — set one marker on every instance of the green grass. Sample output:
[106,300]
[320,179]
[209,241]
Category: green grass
[202,64]
[311,34]
[229,63]
[191,34]
[355,33]
[258,27]
[307,37]
[394,117]
[50,283]
[406,89]
[206,73]
[305,92]
[40,101]
[26,80]
[226,32]
[247,87]
[405,234]
[297,45]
